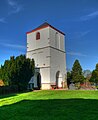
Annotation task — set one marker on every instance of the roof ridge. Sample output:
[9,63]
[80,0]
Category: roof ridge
[45,24]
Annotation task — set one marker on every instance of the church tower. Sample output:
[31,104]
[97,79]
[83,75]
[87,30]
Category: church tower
[46,46]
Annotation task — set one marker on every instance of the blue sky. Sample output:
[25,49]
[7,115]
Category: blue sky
[78,19]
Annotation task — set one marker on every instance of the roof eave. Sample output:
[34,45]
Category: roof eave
[48,25]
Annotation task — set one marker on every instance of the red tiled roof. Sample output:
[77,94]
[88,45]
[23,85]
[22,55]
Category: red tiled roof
[44,25]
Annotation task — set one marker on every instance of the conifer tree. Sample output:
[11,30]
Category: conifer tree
[77,76]
[94,77]
[17,71]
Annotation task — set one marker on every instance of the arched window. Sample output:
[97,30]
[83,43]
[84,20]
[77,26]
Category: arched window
[37,36]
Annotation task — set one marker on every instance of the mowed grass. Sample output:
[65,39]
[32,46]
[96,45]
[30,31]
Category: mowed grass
[50,105]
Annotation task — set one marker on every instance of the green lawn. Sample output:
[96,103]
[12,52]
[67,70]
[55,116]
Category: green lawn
[50,105]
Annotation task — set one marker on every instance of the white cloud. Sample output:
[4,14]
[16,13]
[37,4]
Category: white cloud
[76,54]
[15,6]
[2,20]
[78,35]
[14,46]
[12,3]
[82,34]
[80,54]
[89,16]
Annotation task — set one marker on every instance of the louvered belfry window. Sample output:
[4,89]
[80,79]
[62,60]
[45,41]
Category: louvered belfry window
[37,36]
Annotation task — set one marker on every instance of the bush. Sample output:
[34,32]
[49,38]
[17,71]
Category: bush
[77,86]
[8,89]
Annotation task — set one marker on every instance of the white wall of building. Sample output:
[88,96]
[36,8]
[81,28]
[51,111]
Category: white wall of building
[56,39]
[41,57]
[49,55]
[33,44]
[57,63]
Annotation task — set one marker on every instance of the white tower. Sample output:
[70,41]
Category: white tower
[45,45]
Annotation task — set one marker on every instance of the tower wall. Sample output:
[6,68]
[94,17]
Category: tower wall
[33,44]
[57,63]
[56,39]
[48,53]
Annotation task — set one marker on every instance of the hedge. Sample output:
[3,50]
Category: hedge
[8,89]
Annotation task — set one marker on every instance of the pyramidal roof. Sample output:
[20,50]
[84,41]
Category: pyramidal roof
[44,25]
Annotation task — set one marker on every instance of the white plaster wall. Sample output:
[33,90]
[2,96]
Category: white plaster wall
[40,56]
[42,61]
[56,39]
[45,75]
[33,44]
[46,87]
[57,63]
[45,78]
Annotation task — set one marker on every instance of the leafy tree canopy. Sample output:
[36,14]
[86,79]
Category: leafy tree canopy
[17,71]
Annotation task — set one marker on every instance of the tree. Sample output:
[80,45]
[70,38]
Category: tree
[94,77]
[17,71]
[77,76]
[69,78]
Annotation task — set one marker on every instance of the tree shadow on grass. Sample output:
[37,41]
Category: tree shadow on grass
[8,95]
[11,94]
[56,109]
